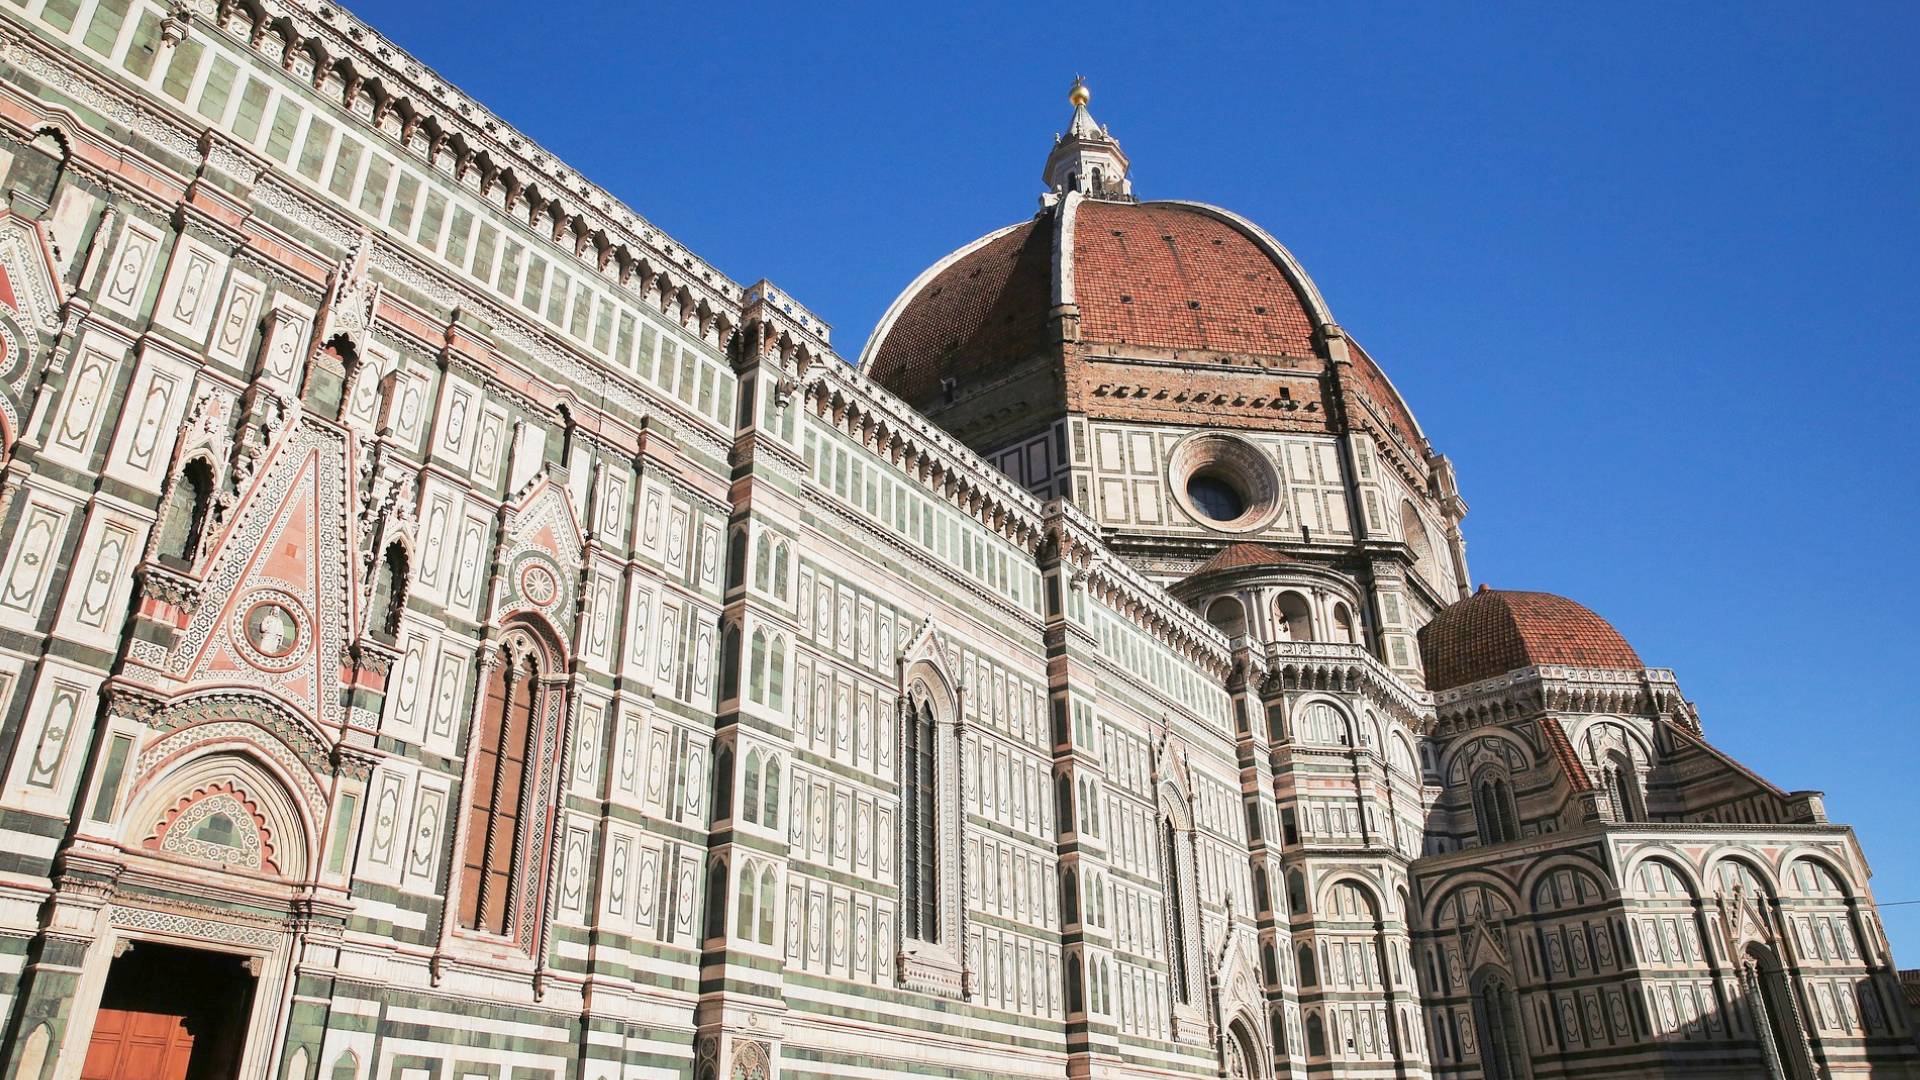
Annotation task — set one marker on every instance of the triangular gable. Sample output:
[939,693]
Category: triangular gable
[277,591]
[544,517]
[540,560]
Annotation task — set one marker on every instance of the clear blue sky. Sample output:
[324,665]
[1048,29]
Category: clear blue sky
[1647,273]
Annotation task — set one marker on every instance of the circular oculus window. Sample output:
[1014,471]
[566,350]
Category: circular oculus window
[1224,483]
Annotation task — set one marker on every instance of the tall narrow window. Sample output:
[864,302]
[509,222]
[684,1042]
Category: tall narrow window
[730,663]
[750,787]
[757,667]
[717,899]
[723,783]
[922,880]
[777,674]
[1494,816]
[496,796]
[770,800]
[187,508]
[767,898]
[1176,909]
[744,923]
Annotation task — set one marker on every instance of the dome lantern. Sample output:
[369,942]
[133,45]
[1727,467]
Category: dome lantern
[1087,159]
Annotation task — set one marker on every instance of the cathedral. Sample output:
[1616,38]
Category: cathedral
[451,631]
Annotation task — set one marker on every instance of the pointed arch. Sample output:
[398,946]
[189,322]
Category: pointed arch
[763,563]
[228,806]
[777,673]
[1244,1058]
[389,599]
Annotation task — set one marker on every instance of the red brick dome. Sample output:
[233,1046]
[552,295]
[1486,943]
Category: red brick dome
[1495,631]
[1172,281]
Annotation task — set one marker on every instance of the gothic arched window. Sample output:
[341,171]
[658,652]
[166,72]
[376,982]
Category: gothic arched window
[504,780]
[717,899]
[730,663]
[1182,894]
[922,873]
[749,787]
[1494,815]
[1623,785]
[780,570]
[777,674]
[757,667]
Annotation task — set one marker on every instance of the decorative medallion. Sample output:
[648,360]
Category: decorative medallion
[538,584]
[273,632]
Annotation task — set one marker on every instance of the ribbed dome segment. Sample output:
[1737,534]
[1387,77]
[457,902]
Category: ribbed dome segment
[1167,276]
[1495,631]
[988,303]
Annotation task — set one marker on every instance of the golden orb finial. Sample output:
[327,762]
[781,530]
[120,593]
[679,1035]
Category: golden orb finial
[1079,95]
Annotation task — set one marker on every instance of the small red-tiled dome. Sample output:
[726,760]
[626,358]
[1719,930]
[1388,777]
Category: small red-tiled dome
[1495,631]
[1241,557]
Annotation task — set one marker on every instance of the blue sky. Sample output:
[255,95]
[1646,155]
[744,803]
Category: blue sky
[1647,273]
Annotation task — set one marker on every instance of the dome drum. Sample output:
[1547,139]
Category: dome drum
[1259,590]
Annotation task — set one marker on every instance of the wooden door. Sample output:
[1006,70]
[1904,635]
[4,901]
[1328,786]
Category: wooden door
[130,1044]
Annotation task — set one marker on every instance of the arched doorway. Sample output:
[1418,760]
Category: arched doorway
[170,1013]
[1776,1024]
[1243,1053]
[1496,1017]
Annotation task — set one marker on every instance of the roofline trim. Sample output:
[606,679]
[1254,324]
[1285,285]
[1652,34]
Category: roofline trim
[1381,371]
[870,350]
[1297,274]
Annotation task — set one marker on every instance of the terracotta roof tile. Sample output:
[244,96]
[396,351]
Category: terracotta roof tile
[1495,631]
[1563,749]
[1241,556]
